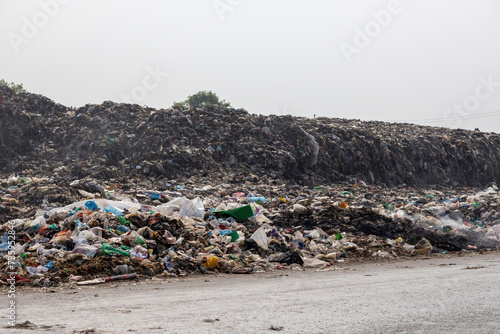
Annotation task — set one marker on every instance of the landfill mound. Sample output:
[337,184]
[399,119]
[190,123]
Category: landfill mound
[113,140]
[116,191]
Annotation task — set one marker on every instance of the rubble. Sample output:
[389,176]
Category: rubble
[116,190]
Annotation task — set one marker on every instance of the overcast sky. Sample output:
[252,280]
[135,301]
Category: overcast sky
[433,61]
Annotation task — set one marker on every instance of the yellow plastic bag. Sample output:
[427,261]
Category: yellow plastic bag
[211,263]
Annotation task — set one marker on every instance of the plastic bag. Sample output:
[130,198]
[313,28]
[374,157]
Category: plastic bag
[193,209]
[37,270]
[101,203]
[114,210]
[122,269]
[91,205]
[140,252]
[88,250]
[132,238]
[260,238]
[165,210]
[168,264]
[236,236]
[211,263]
[288,258]
[122,228]
[80,241]
[110,250]
[38,223]
[61,237]
[169,237]
[256,198]
[86,234]
[241,213]
[176,203]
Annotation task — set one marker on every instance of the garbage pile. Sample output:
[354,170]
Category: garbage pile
[106,141]
[110,230]
[115,191]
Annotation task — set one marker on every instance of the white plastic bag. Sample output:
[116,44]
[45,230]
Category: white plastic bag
[38,223]
[193,209]
[88,250]
[177,203]
[260,238]
[165,210]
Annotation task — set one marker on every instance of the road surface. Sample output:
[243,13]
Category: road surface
[437,295]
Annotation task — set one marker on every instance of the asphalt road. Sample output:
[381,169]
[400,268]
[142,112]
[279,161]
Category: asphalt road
[438,295]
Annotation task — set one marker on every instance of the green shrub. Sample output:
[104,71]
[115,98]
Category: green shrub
[17,88]
[203,98]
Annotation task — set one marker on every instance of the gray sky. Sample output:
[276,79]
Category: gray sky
[431,60]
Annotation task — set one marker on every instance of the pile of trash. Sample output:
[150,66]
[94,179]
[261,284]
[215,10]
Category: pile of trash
[102,236]
[113,191]
[41,137]
[189,229]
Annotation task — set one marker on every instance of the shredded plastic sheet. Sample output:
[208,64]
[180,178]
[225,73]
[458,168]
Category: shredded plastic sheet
[186,208]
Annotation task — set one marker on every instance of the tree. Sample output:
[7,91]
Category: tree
[203,98]
[18,88]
